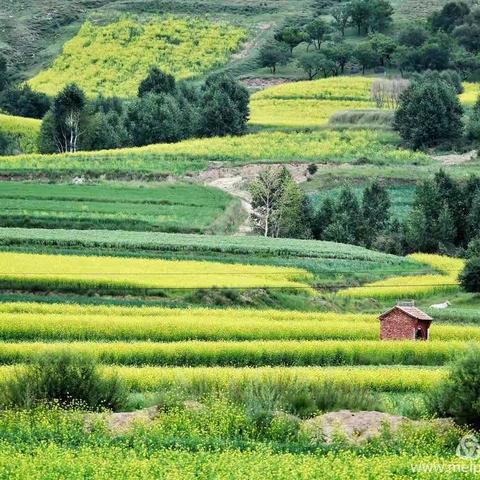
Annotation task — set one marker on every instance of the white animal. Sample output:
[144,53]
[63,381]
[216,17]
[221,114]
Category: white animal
[441,306]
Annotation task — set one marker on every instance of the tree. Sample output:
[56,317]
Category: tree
[273,54]
[24,102]
[341,17]
[380,17]
[412,35]
[468,33]
[266,192]
[316,31]
[314,63]
[366,56]
[383,46]
[360,13]
[4,78]
[323,218]
[67,121]
[347,221]
[375,211]
[451,15]
[340,54]
[429,114]
[153,119]
[292,36]
[470,276]
[224,106]
[157,82]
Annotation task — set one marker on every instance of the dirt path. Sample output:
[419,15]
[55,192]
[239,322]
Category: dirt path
[235,181]
[456,159]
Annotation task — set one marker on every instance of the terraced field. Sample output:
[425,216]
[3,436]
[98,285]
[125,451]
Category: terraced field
[25,132]
[114,59]
[162,207]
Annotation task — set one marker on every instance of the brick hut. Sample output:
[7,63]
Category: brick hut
[404,321]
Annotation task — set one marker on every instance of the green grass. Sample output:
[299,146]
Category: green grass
[165,207]
[114,59]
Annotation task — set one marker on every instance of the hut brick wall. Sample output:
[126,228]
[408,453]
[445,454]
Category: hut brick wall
[398,326]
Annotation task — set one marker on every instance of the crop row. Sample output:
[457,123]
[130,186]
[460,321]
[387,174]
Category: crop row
[247,353]
[192,155]
[21,270]
[392,378]
[24,131]
[196,324]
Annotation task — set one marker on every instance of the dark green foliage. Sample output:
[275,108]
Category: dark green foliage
[412,35]
[470,277]
[71,380]
[366,56]
[157,82]
[273,54]
[224,107]
[451,15]
[153,119]
[24,102]
[429,115]
[4,77]
[316,63]
[7,144]
[316,31]
[292,35]
[459,395]
[376,212]
[371,16]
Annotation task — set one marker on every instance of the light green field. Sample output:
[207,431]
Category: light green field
[25,131]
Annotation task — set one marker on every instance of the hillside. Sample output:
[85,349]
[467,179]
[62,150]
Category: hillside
[241,270]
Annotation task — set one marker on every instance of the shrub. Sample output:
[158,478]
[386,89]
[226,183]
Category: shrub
[458,396]
[67,379]
[470,277]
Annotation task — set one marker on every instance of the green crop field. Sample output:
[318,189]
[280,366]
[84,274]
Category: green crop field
[165,207]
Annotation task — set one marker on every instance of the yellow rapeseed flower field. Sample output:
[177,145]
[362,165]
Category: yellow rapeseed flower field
[63,270]
[414,285]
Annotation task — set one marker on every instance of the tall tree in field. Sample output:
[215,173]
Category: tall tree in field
[429,114]
[316,31]
[273,54]
[375,211]
[67,118]
[279,205]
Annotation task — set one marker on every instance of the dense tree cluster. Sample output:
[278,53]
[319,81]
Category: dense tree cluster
[445,218]
[450,39]
[164,111]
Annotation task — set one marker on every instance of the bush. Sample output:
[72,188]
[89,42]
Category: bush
[459,395]
[470,277]
[67,379]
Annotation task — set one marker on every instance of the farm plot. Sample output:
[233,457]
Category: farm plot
[414,286]
[112,60]
[331,263]
[34,322]
[165,207]
[77,273]
[309,104]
